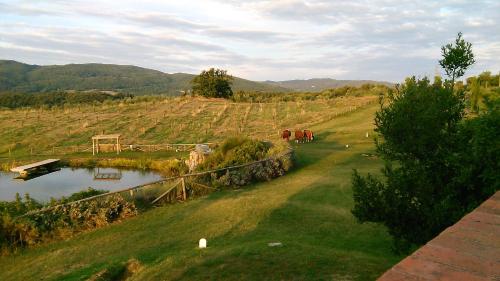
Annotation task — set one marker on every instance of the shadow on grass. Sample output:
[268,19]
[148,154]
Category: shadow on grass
[305,155]
[320,237]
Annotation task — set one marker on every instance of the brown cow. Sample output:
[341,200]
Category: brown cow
[299,136]
[308,135]
[286,134]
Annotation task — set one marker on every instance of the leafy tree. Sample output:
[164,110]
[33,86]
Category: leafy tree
[438,82]
[438,165]
[213,83]
[456,58]
[475,94]
[484,78]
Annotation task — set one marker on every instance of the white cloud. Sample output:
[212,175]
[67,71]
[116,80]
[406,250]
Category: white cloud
[256,39]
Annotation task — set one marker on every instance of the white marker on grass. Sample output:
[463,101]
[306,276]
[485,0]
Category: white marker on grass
[203,243]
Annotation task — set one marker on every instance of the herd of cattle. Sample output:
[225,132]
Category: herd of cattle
[300,135]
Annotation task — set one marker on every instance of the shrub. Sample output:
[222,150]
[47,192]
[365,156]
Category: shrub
[239,151]
[18,206]
[82,195]
[60,221]
[235,151]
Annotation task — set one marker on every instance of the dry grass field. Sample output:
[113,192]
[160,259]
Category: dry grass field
[161,120]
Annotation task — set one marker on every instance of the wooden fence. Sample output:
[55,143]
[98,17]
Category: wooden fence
[59,150]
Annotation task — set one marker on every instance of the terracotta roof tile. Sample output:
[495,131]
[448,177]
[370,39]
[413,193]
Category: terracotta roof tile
[468,250]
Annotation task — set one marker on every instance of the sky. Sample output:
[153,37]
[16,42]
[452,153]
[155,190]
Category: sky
[255,39]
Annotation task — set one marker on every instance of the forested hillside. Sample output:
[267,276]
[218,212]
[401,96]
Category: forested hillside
[25,78]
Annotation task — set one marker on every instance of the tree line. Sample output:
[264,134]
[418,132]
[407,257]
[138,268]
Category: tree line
[17,100]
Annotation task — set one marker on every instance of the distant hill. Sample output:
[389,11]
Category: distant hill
[20,77]
[320,84]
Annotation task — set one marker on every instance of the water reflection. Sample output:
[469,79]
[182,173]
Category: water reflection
[31,176]
[107,175]
[70,180]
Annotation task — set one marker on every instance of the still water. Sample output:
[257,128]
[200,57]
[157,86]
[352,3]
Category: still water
[70,180]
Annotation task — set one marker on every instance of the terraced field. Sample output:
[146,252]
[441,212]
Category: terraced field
[162,120]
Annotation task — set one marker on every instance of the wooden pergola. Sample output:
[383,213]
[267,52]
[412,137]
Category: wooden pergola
[96,138]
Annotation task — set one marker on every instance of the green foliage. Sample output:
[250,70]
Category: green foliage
[83,194]
[456,58]
[235,151]
[419,121]
[18,206]
[345,91]
[438,168]
[17,100]
[485,79]
[213,83]
[238,151]
[479,158]
[482,88]
[62,221]
[475,95]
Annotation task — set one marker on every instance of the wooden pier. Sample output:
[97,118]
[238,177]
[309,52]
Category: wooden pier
[44,166]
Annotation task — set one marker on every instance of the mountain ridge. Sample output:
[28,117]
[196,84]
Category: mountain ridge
[129,79]
[21,77]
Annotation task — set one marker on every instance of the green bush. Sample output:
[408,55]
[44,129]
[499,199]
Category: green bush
[80,195]
[238,151]
[235,151]
[18,206]
[60,221]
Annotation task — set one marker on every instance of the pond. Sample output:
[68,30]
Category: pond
[67,181]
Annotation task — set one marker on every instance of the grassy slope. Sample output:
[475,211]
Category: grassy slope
[307,210]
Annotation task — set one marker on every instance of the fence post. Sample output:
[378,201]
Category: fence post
[183,184]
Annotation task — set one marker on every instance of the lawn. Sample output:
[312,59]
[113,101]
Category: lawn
[308,211]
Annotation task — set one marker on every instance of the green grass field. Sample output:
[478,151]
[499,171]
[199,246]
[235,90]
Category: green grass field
[307,210]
